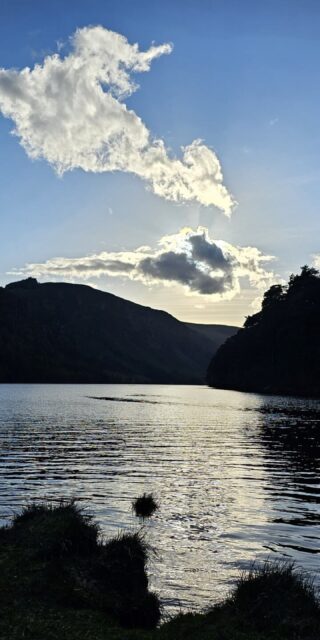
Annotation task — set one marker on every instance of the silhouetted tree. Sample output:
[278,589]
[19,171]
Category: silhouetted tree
[278,350]
[308,275]
[272,296]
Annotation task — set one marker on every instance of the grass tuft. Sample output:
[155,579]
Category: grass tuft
[120,569]
[276,594]
[53,556]
[54,530]
[272,602]
[145,506]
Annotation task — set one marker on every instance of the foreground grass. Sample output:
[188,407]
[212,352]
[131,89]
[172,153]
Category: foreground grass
[270,603]
[60,580]
[54,566]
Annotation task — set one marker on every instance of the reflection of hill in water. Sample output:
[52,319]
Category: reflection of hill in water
[291,437]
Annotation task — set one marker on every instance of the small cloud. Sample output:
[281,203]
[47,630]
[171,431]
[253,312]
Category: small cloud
[38,53]
[60,45]
[316,260]
[273,121]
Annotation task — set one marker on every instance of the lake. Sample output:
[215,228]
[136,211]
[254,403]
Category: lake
[236,475]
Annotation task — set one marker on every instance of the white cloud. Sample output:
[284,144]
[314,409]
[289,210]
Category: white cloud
[70,111]
[189,258]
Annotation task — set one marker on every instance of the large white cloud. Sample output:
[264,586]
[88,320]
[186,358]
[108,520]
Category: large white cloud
[189,258]
[70,111]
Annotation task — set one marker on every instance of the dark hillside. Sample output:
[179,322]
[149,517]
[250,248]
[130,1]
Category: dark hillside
[57,332]
[216,333]
[278,349]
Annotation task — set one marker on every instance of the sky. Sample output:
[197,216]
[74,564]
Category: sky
[167,152]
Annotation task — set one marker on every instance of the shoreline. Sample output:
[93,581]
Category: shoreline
[68,583]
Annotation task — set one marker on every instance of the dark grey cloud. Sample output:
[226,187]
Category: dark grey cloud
[207,251]
[179,267]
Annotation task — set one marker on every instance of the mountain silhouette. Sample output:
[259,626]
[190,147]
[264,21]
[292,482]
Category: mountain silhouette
[69,333]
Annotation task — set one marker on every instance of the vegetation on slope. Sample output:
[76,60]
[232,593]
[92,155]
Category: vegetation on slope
[60,581]
[278,350]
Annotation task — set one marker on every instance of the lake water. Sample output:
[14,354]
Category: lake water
[236,475]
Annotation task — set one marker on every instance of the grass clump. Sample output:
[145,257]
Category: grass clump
[53,559]
[145,506]
[278,595]
[272,602]
[120,569]
[55,530]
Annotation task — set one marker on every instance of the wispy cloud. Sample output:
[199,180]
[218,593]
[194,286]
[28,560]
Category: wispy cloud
[70,110]
[189,258]
[316,260]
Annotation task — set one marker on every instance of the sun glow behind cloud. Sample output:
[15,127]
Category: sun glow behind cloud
[70,111]
[190,258]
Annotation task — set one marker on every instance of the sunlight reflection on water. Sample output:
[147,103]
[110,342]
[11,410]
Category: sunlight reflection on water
[236,474]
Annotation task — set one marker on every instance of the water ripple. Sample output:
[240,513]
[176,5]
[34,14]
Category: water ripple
[236,475]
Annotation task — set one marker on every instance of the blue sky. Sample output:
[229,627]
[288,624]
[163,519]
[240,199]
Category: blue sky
[244,78]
